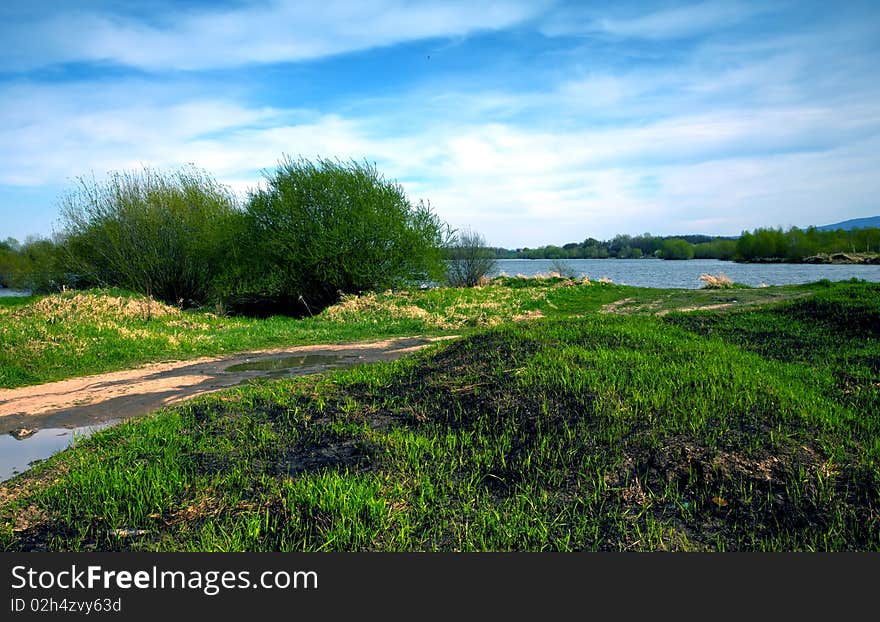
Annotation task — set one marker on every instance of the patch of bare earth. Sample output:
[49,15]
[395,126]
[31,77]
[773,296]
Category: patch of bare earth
[117,395]
[723,305]
[27,516]
[618,306]
[661,307]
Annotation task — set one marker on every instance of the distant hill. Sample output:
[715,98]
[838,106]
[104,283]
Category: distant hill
[855,223]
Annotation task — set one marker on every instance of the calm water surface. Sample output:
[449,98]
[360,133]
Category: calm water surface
[17,455]
[686,274]
[5,291]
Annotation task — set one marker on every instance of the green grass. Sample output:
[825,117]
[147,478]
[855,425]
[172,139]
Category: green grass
[75,334]
[8,302]
[751,429]
[80,333]
[48,338]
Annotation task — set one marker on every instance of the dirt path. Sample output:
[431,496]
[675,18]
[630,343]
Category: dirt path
[93,400]
[701,300]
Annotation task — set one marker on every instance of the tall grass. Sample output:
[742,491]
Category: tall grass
[720,281]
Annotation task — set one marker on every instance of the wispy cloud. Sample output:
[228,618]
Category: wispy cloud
[266,32]
[674,22]
[682,21]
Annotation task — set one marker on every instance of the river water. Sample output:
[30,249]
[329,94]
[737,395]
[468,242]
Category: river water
[678,274]
[686,274]
[5,291]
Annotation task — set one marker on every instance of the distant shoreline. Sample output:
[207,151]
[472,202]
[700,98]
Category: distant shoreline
[8,291]
[821,259]
[870,259]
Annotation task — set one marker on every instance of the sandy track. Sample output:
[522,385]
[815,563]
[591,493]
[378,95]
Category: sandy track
[118,395]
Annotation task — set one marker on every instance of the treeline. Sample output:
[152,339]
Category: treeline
[632,247]
[795,245]
[763,244]
[33,264]
[312,232]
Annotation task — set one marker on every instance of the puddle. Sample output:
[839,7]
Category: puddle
[41,421]
[285,363]
[18,455]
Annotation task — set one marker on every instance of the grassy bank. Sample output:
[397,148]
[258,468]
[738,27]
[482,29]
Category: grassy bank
[80,333]
[755,428]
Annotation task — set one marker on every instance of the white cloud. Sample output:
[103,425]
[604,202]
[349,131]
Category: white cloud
[267,32]
[683,21]
[666,23]
[794,189]
[52,133]
[560,187]
[716,172]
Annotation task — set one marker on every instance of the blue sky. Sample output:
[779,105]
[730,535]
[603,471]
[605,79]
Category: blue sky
[532,122]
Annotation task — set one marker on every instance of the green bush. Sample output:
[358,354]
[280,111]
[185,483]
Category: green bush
[321,229]
[163,234]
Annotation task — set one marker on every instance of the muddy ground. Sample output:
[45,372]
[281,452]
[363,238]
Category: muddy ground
[93,400]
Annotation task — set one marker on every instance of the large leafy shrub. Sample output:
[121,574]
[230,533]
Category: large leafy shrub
[317,230]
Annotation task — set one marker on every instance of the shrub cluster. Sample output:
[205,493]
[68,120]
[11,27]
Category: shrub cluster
[167,235]
[311,233]
[319,230]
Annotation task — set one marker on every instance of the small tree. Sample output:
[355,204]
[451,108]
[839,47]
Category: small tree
[325,228]
[470,260]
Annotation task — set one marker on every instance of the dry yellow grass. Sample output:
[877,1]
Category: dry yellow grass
[60,307]
[546,276]
[534,314]
[72,311]
[719,281]
[353,307]
[493,306]
[188,324]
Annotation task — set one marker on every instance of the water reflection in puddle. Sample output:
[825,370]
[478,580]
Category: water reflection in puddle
[19,454]
[285,363]
[21,449]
